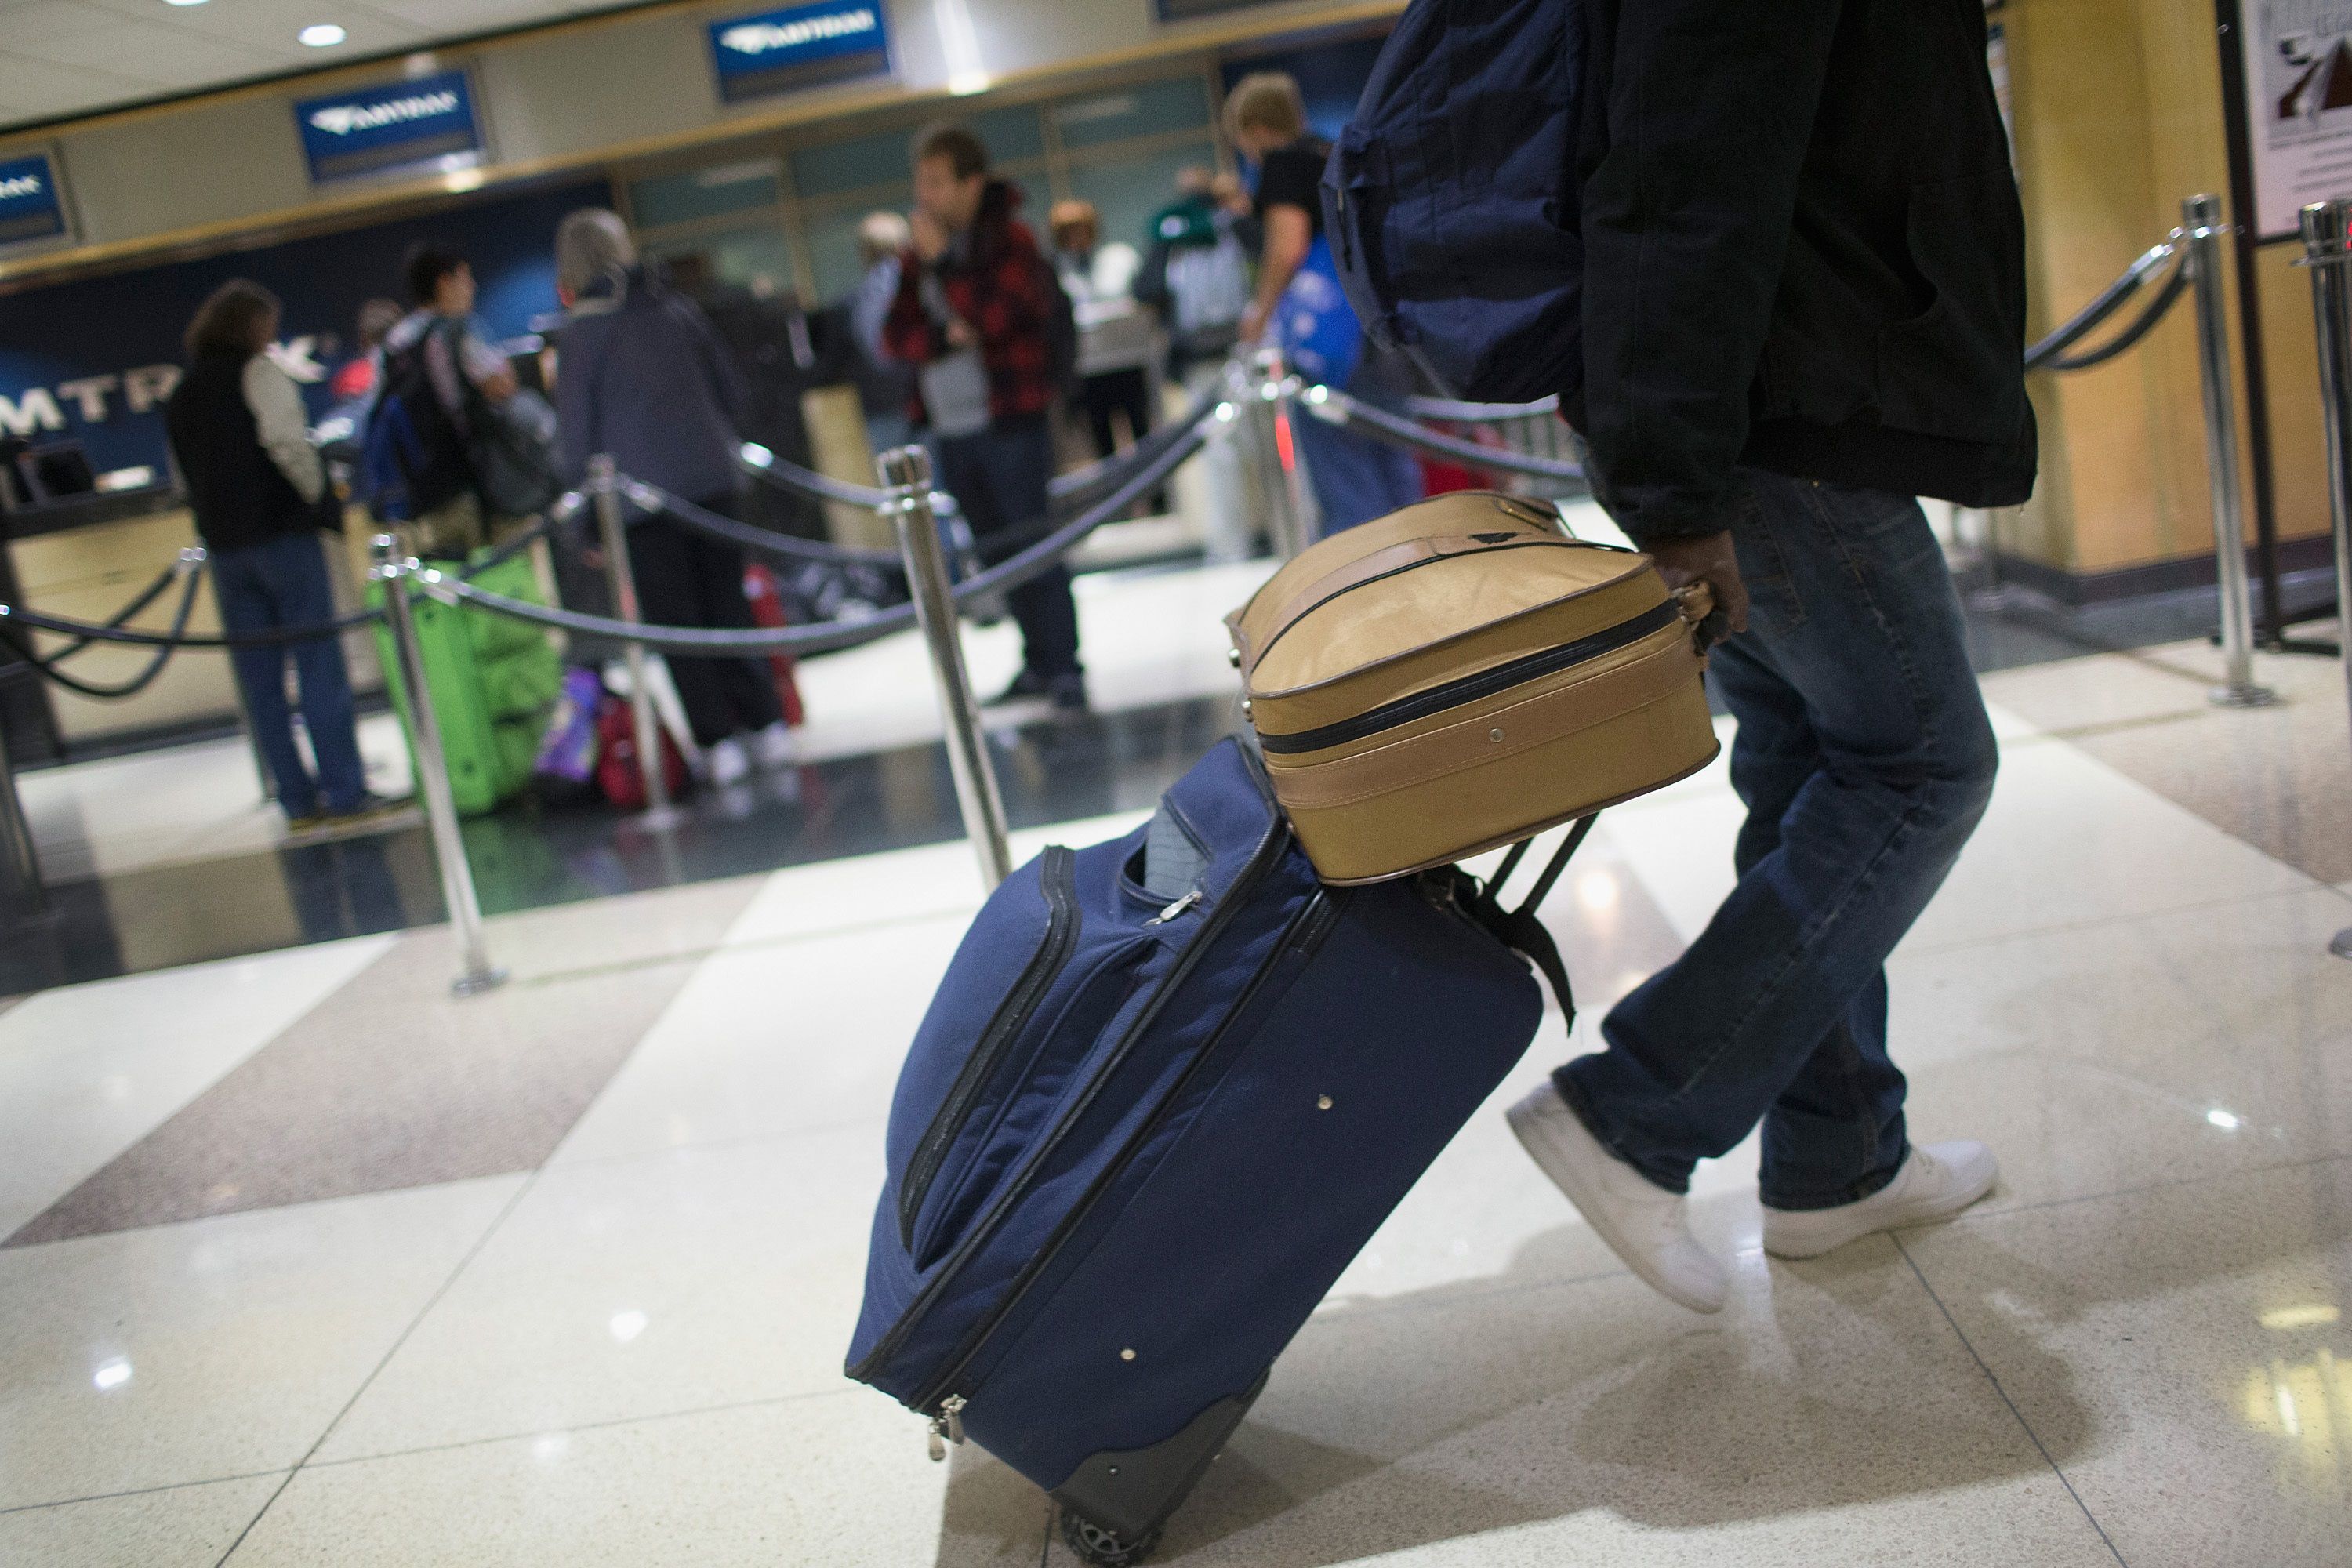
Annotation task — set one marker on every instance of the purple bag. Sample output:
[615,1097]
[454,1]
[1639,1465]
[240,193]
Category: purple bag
[567,757]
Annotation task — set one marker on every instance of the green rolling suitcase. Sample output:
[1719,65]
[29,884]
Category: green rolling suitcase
[493,681]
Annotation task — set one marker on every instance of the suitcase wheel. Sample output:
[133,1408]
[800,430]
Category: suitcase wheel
[1106,1548]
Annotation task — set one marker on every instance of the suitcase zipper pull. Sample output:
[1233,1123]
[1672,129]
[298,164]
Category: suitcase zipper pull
[1178,908]
[947,1426]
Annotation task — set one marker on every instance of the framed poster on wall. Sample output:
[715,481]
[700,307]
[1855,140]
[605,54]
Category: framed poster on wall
[2298,71]
[390,127]
[797,46]
[32,206]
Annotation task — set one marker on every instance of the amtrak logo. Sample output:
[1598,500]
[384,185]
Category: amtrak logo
[21,185]
[342,119]
[762,37]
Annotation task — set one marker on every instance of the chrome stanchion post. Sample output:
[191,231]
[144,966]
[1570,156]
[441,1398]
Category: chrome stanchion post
[479,973]
[2327,252]
[602,484]
[1278,414]
[2201,218]
[908,472]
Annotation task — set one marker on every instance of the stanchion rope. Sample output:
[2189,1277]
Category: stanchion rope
[113,631]
[1328,402]
[1011,572]
[133,686]
[2048,354]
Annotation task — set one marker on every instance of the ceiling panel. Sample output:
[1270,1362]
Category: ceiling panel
[165,56]
[74,56]
[44,90]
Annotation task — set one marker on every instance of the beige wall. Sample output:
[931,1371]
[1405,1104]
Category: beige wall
[2118,112]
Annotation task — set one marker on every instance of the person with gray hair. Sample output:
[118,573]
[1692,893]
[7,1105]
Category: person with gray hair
[642,377]
[592,245]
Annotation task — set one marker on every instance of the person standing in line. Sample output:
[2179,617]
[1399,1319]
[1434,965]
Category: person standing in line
[260,496]
[1196,274]
[886,386]
[975,314]
[1804,306]
[1103,275]
[439,333]
[356,377]
[641,377]
[1299,306]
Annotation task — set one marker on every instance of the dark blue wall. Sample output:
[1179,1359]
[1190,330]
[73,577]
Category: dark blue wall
[107,325]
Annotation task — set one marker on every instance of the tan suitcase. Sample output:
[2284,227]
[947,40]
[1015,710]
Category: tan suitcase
[1461,675]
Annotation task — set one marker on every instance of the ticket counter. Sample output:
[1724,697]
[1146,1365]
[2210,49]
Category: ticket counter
[86,557]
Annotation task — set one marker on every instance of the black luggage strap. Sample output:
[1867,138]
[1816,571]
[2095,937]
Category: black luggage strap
[1521,930]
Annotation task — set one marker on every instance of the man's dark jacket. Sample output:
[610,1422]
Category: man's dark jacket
[1803,251]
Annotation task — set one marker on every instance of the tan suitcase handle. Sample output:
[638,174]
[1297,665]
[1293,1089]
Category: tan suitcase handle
[1708,625]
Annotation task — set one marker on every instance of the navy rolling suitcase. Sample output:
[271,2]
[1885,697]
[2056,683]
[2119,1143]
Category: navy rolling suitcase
[1168,1087]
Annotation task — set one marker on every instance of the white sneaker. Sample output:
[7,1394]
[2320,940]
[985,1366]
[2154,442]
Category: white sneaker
[727,763]
[1935,1183]
[1643,1223]
[774,747]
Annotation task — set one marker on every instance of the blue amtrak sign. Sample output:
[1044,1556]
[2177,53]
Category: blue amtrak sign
[30,207]
[397,125]
[798,45]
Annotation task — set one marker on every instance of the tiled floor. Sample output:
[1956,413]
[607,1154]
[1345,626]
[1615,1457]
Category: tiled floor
[615,1337]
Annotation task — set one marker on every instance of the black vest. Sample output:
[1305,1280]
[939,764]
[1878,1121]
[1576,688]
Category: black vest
[237,492]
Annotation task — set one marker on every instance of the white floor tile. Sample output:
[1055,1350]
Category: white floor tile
[182,1527]
[624,1289]
[2067,841]
[2137,1051]
[1148,636]
[825,1483]
[865,891]
[193,801]
[87,1070]
[223,1347]
[775,1039]
[1828,1415]
[2186,1353]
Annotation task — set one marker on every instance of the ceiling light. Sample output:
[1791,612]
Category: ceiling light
[321,35]
[183,2]
[2227,1121]
[114,1374]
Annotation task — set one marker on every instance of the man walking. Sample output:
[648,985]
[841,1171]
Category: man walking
[1805,307]
[975,313]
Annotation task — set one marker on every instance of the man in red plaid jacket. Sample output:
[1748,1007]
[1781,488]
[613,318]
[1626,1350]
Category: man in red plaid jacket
[975,313]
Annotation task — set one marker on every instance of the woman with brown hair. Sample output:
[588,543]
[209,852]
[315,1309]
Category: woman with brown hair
[260,496]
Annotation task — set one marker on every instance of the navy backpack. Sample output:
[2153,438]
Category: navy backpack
[1451,198]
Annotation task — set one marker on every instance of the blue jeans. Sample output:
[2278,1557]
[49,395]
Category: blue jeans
[283,582]
[1864,758]
[1000,477]
[1355,478]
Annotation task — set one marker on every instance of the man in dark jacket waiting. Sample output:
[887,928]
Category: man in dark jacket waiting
[1804,307]
[640,375]
[974,314]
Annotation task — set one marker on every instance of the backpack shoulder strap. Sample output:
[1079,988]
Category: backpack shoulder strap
[1522,929]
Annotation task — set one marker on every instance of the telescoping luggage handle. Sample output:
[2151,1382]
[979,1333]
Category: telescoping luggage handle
[1521,930]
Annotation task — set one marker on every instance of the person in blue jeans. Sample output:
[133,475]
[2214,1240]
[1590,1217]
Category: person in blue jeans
[259,496]
[1804,307]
